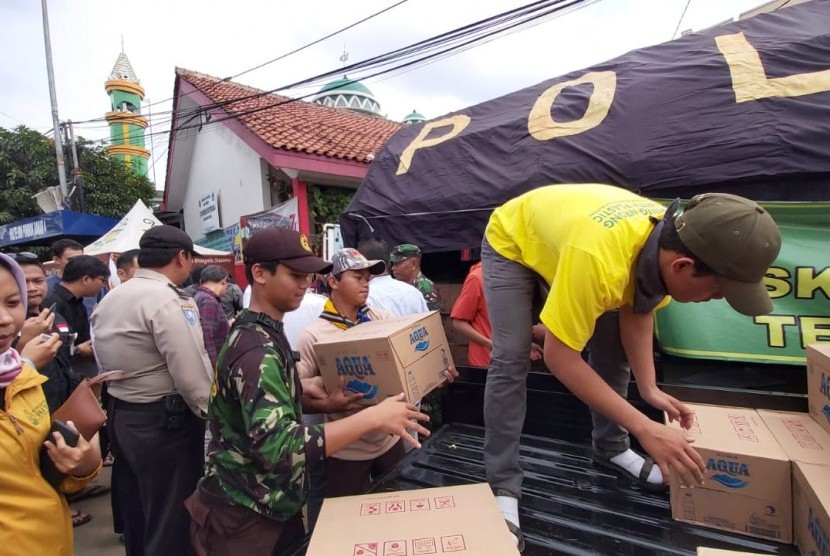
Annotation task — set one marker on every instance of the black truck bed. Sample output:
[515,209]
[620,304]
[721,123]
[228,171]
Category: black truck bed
[569,506]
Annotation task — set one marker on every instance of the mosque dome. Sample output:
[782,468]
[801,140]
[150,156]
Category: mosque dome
[414,117]
[350,94]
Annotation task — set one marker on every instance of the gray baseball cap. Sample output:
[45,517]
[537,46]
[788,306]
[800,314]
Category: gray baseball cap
[352,259]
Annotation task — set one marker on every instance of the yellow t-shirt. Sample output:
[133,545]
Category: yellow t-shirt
[583,239]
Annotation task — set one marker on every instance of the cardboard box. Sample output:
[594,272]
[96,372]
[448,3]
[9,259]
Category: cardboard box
[818,383]
[462,519]
[811,508]
[747,479]
[801,438]
[383,358]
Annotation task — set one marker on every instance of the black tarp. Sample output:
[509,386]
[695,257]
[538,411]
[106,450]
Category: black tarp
[677,124]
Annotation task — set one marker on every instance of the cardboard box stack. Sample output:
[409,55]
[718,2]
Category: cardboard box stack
[463,519]
[386,357]
[818,383]
[747,478]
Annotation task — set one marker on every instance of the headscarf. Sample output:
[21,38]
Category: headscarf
[10,362]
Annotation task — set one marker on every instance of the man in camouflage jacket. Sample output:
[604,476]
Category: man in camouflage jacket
[255,483]
[406,266]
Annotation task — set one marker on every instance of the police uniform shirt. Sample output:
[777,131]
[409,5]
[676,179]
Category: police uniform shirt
[149,328]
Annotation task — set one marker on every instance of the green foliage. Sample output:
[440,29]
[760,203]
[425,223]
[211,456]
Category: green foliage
[27,166]
[326,204]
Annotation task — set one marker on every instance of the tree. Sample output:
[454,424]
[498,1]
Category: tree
[27,166]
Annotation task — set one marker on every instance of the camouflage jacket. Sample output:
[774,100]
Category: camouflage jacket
[429,290]
[260,448]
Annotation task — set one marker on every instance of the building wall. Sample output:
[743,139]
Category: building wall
[222,162]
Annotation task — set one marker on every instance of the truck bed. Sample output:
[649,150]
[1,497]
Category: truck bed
[568,505]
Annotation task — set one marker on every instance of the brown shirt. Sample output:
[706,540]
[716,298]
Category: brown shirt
[150,329]
[370,446]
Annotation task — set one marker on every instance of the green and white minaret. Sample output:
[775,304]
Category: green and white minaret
[126,122]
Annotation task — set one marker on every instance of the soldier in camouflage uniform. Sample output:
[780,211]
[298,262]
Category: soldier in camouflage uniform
[255,484]
[406,266]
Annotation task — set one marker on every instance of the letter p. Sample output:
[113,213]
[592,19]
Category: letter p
[458,123]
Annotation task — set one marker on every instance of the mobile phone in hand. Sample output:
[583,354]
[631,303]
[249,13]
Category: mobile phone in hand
[70,435]
[53,307]
[47,466]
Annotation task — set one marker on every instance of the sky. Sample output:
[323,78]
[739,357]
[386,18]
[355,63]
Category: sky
[222,38]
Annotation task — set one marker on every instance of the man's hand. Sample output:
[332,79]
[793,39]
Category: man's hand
[79,461]
[317,400]
[675,409]
[450,374]
[35,326]
[670,450]
[85,349]
[536,352]
[395,416]
[40,351]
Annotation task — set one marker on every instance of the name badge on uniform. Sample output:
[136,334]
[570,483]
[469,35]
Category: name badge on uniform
[189,314]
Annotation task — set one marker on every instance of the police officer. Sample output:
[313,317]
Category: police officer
[406,266]
[149,328]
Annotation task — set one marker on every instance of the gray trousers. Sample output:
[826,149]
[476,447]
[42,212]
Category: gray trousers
[508,289]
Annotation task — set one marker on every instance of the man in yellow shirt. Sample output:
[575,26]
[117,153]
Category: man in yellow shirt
[611,258]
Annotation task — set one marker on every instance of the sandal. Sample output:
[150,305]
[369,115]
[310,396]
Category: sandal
[641,479]
[79,518]
[513,528]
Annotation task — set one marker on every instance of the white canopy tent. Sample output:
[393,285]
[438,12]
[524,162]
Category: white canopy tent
[126,234]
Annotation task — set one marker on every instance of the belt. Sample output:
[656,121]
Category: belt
[133,406]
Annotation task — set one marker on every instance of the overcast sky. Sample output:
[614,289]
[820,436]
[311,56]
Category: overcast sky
[223,38]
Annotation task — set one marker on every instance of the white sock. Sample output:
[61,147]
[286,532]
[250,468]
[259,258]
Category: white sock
[509,507]
[633,462]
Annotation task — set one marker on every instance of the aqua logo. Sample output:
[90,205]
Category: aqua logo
[419,338]
[357,366]
[818,534]
[369,391]
[728,473]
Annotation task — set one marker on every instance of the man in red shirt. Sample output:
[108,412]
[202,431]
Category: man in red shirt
[470,319]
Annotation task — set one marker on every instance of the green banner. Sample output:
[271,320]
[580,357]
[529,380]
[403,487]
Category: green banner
[799,284]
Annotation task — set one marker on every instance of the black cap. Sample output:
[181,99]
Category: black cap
[166,237]
[287,246]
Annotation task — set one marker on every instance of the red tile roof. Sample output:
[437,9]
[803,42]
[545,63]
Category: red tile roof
[298,126]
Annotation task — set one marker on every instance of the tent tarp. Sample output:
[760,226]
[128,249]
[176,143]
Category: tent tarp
[46,228]
[742,108]
[126,233]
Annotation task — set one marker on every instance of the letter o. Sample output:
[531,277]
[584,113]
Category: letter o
[540,122]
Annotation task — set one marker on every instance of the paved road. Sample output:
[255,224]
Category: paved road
[96,538]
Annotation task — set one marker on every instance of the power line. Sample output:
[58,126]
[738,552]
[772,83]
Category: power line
[679,21]
[406,59]
[463,36]
[280,57]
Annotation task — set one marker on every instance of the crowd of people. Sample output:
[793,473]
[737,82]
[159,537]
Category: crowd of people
[220,427]
[206,425]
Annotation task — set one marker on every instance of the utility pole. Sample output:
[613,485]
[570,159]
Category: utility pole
[53,95]
[77,178]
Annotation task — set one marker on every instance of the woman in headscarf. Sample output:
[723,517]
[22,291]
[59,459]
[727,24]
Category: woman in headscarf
[35,516]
